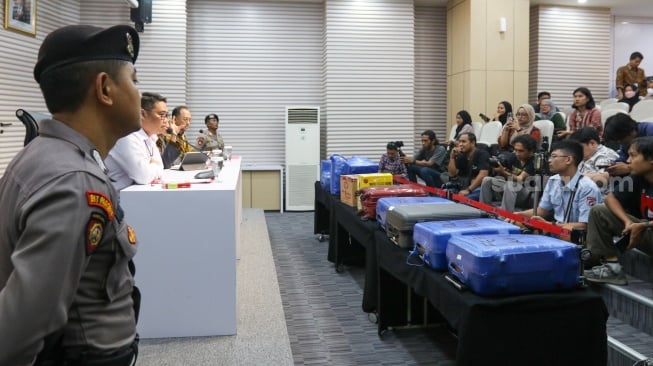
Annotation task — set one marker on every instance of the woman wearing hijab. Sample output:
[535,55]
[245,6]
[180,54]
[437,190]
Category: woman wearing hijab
[502,112]
[522,125]
[548,112]
[631,96]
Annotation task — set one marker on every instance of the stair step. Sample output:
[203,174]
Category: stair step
[626,344]
[633,304]
[638,264]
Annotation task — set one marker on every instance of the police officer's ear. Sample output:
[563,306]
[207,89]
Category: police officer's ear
[102,88]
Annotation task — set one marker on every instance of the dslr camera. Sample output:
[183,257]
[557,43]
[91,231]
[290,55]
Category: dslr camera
[500,159]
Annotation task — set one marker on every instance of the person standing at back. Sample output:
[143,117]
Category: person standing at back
[67,294]
[631,73]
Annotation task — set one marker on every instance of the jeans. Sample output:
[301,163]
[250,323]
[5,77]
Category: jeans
[430,176]
[475,194]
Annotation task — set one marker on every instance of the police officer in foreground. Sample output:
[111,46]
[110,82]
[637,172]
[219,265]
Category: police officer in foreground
[67,294]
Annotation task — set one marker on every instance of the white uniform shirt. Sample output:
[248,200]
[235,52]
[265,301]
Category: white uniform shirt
[129,162]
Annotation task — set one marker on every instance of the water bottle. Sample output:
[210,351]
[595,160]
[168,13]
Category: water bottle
[216,165]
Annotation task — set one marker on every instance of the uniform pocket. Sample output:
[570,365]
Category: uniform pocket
[120,281]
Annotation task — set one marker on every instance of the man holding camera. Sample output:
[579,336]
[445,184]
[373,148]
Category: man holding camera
[511,170]
[391,161]
[469,164]
[428,162]
[627,212]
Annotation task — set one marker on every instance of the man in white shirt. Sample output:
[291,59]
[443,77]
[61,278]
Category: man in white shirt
[135,159]
[596,157]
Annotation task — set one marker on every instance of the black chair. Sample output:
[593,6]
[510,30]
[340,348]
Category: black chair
[31,123]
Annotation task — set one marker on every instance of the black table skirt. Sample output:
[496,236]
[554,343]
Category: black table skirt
[557,328]
[322,213]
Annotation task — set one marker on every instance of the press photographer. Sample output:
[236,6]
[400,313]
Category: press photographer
[428,163]
[510,172]
[391,161]
[468,165]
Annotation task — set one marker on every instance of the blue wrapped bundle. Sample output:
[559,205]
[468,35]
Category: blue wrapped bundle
[360,165]
[325,174]
[338,163]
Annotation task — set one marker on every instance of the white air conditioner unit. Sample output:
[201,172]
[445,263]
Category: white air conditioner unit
[302,157]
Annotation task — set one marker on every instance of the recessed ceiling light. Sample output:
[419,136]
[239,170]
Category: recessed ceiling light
[582,1]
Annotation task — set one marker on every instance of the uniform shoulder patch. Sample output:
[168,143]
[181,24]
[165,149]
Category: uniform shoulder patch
[102,201]
[131,235]
[94,233]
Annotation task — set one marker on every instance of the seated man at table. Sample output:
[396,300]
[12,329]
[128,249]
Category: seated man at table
[469,165]
[428,162]
[135,159]
[178,144]
[568,195]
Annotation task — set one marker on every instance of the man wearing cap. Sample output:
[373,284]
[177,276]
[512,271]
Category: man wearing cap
[67,292]
[211,138]
[136,159]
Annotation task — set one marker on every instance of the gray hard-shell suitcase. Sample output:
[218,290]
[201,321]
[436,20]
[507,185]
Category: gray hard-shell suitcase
[400,220]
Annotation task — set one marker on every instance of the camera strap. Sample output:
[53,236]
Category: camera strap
[571,200]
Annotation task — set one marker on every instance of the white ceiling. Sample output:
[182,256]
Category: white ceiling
[639,8]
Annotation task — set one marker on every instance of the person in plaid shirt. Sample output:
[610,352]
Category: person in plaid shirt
[391,161]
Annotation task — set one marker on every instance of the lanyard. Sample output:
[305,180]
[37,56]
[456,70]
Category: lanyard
[571,200]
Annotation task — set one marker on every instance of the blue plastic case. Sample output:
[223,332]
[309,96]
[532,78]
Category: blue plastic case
[431,237]
[513,264]
[383,204]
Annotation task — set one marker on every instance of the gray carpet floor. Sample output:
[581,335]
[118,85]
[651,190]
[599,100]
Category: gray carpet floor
[326,324]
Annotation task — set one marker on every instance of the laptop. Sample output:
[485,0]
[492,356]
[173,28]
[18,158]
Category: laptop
[193,161]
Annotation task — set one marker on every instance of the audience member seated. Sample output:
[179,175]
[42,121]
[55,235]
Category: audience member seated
[522,126]
[649,88]
[631,73]
[540,97]
[596,157]
[135,158]
[584,114]
[568,195]
[391,161]
[468,165]
[503,110]
[631,96]
[463,125]
[510,174]
[627,211]
[428,163]
[622,129]
[548,111]
[210,138]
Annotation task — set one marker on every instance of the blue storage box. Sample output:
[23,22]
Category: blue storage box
[337,167]
[431,237]
[513,264]
[383,204]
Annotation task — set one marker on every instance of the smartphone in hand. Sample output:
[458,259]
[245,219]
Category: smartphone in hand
[621,242]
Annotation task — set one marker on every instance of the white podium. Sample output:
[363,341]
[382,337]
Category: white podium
[186,262]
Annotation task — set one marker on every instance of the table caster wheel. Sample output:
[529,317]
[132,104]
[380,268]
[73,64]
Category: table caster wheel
[340,268]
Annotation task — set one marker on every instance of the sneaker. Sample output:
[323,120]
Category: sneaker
[605,274]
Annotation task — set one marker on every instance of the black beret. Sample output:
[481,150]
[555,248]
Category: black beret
[209,116]
[79,43]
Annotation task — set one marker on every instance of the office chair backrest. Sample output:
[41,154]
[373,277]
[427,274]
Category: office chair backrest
[31,122]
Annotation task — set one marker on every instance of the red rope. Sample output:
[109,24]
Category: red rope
[530,222]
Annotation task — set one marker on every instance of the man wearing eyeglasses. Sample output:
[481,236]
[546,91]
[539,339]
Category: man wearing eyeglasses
[135,159]
[568,196]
